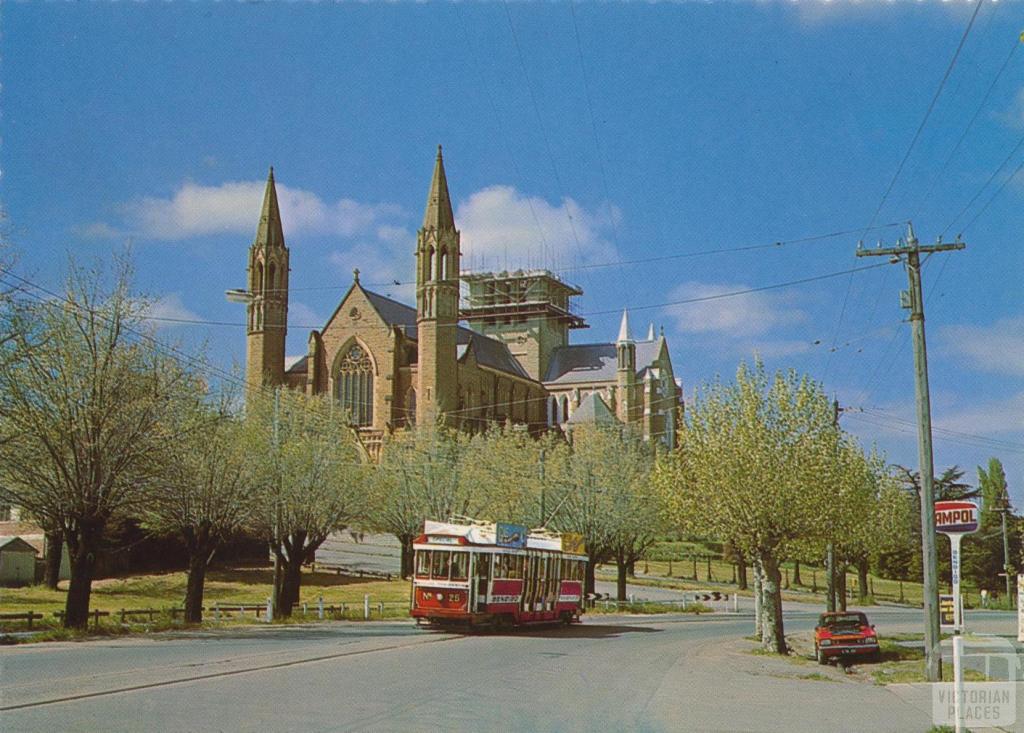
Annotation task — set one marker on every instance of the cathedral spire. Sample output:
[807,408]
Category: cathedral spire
[270,233]
[625,333]
[439,205]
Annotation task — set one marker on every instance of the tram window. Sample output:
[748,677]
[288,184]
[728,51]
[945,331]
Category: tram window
[501,566]
[423,563]
[518,566]
[483,565]
[460,564]
[439,567]
[542,564]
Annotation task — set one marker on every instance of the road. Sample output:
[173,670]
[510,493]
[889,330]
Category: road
[665,673]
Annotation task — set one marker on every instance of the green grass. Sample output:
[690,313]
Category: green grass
[229,585]
[650,608]
[901,664]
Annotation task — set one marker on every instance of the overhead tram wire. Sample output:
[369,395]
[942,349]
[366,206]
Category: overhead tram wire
[899,170]
[501,128]
[981,190]
[974,118]
[624,290]
[640,261]
[543,129]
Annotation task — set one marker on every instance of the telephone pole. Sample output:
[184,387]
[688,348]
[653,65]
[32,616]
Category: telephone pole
[909,252]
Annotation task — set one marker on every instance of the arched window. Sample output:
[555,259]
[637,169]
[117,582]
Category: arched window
[552,411]
[271,282]
[442,265]
[258,288]
[353,384]
[565,409]
[430,263]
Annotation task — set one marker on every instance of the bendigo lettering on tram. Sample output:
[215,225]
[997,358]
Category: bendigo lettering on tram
[496,573]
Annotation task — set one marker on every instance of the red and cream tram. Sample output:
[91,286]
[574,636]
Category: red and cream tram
[495,573]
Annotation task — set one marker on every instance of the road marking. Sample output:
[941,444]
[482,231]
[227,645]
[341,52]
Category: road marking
[229,673]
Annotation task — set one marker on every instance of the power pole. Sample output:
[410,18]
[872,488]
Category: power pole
[909,251]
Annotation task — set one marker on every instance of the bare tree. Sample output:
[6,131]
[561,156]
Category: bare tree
[204,492]
[309,480]
[83,405]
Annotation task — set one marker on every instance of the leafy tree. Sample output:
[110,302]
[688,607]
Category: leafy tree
[204,492]
[85,408]
[309,480]
[418,478]
[757,464]
[983,552]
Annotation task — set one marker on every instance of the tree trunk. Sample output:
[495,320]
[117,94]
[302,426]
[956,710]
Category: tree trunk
[407,554]
[195,584]
[741,570]
[841,587]
[291,581]
[76,605]
[758,597]
[631,568]
[591,568]
[862,579]
[773,636]
[54,554]
[796,573]
[620,581]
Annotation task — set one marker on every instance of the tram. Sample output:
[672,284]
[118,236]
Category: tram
[492,573]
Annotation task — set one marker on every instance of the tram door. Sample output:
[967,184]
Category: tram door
[482,576]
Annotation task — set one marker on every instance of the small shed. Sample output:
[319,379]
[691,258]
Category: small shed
[17,561]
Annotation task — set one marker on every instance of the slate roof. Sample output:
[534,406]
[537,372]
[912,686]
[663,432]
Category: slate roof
[593,410]
[493,354]
[487,351]
[299,366]
[594,362]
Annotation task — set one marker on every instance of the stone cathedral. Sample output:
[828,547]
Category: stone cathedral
[477,348]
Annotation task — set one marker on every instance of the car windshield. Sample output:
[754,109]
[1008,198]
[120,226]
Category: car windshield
[845,620]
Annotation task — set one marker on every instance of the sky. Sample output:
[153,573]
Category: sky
[655,154]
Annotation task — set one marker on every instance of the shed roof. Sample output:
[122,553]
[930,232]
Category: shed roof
[10,543]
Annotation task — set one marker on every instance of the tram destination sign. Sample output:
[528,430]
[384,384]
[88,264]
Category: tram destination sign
[510,535]
[956,517]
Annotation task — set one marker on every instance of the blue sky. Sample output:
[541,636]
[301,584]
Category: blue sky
[575,136]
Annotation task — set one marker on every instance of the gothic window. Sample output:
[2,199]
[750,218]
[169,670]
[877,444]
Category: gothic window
[430,263]
[353,384]
[259,278]
[410,406]
[442,265]
[271,282]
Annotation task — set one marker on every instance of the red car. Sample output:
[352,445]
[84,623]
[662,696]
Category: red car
[845,634]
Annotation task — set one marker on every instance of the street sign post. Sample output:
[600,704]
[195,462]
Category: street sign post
[955,519]
[947,616]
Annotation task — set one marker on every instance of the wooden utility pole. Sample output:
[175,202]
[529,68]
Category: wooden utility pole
[909,252]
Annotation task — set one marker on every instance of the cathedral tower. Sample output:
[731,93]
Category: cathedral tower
[268,286]
[625,349]
[437,302]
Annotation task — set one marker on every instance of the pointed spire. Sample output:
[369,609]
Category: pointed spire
[439,205]
[625,334]
[650,331]
[270,233]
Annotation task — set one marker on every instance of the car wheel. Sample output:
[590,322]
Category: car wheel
[819,652]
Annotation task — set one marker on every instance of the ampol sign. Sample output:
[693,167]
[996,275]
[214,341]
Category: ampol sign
[956,517]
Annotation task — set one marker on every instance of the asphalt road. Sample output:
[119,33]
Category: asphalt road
[676,673]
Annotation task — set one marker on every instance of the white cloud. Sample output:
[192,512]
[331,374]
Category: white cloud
[167,309]
[499,225]
[998,348]
[1004,415]
[234,207]
[750,314]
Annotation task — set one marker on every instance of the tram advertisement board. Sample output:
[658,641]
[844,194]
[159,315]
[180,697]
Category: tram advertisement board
[510,535]
[573,544]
